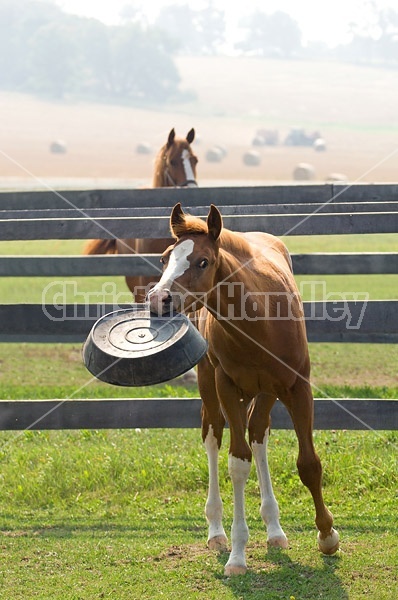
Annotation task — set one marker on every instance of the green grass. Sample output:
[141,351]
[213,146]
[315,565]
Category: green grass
[379,242]
[71,289]
[31,370]
[42,247]
[119,514]
[57,371]
[105,289]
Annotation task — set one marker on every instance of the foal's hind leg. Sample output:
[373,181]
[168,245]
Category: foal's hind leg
[300,403]
[259,422]
[212,429]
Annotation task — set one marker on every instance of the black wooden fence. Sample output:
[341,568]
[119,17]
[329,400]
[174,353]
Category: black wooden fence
[281,210]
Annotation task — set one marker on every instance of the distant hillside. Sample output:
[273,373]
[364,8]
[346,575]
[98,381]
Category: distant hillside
[354,109]
[292,92]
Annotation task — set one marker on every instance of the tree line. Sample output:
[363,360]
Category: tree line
[47,51]
[44,50]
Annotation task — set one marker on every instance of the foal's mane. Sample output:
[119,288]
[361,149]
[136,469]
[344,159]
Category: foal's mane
[189,225]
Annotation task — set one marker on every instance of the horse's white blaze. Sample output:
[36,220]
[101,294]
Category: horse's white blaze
[214,507]
[178,264]
[190,177]
[269,507]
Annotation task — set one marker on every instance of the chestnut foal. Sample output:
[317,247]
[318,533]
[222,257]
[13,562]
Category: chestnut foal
[249,309]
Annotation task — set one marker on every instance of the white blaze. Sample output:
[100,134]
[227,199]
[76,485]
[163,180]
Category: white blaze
[178,264]
[188,169]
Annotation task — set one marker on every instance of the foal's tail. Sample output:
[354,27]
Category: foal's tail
[100,247]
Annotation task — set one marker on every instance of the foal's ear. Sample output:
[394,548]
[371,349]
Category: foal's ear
[171,138]
[214,222]
[191,136]
[176,219]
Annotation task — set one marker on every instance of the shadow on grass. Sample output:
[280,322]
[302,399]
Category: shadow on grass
[139,521]
[277,576]
[63,528]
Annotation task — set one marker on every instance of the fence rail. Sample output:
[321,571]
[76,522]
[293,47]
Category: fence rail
[331,263]
[282,210]
[167,197]
[343,321]
[149,227]
[338,413]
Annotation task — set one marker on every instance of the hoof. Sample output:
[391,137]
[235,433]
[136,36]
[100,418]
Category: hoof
[219,543]
[235,570]
[279,541]
[329,544]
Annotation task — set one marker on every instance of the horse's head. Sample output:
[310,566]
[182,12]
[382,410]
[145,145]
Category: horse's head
[190,264]
[176,162]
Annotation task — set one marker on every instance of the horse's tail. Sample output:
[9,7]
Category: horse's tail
[100,247]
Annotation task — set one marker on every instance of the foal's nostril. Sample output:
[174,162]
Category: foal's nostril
[166,299]
[160,301]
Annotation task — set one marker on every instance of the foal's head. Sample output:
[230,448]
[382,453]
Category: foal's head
[189,265]
[176,163]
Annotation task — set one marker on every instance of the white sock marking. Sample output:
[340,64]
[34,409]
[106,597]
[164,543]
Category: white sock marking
[214,507]
[269,506]
[239,472]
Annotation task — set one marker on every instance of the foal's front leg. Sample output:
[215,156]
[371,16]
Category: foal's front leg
[239,470]
[239,464]
[213,424]
[259,429]
[217,539]
[269,507]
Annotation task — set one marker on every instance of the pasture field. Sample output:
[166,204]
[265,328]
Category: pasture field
[353,108]
[338,369]
[120,514]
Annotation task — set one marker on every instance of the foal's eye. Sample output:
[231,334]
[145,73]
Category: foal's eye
[203,263]
[174,163]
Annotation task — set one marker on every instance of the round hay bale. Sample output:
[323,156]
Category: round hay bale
[266,137]
[143,148]
[304,172]
[252,158]
[214,155]
[337,177]
[319,145]
[222,149]
[258,140]
[58,147]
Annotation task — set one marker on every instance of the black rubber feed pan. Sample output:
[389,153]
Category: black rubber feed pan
[134,347]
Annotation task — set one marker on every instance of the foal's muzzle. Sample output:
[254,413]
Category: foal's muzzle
[160,301]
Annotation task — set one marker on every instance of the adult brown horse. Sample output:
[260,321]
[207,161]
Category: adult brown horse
[250,312]
[175,166]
